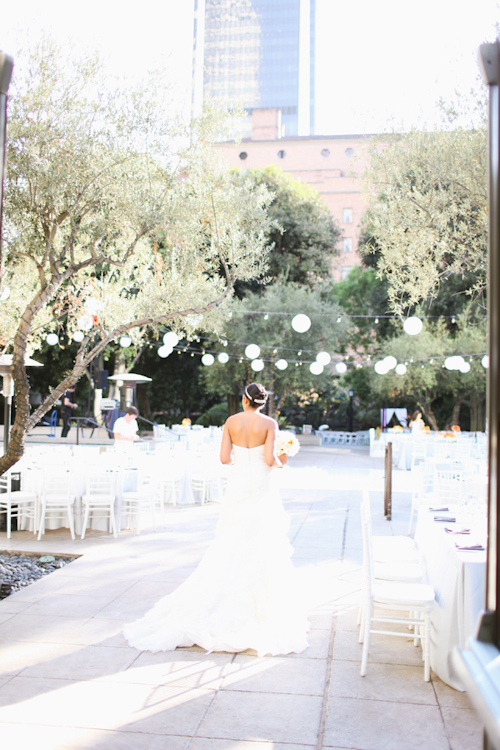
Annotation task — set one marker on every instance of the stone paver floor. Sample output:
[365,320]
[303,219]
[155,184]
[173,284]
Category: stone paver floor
[68,679]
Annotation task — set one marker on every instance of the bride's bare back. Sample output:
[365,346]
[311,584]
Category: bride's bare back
[249,429]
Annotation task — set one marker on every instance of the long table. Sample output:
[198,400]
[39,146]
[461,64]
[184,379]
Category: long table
[459,580]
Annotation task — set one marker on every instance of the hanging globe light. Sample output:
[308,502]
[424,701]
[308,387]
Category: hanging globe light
[125,341]
[381,367]
[464,368]
[164,351]
[412,326]
[485,361]
[52,339]
[454,363]
[341,367]
[171,339]
[85,322]
[281,364]
[78,336]
[390,362]
[223,358]
[301,323]
[401,369]
[5,294]
[257,365]
[323,358]
[252,351]
[316,368]
[207,360]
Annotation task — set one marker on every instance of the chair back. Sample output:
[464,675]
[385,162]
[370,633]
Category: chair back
[57,481]
[100,479]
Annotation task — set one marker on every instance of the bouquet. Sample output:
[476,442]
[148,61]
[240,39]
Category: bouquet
[287,443]
[186,422]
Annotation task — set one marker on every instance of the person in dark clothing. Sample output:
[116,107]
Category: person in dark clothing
[68,406]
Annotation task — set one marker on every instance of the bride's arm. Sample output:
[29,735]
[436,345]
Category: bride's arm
[226,446]
[270,454]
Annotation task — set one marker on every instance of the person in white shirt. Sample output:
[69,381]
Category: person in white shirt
[125,428]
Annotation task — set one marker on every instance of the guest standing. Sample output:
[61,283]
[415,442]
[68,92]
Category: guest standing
[68,407]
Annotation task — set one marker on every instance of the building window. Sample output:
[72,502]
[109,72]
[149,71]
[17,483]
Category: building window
[349,152]
[347,244]
[347,215]
[325,152]
[281,154]
[346,270]
[243,155]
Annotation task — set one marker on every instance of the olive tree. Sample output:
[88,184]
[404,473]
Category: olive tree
[116,219]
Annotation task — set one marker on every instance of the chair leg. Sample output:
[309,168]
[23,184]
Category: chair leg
[41,525]
[71,520]
[368,612]
[9,520]
[85,519]
[112,520]
[427,647]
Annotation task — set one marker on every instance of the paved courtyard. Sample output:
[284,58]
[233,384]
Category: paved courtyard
[68,679]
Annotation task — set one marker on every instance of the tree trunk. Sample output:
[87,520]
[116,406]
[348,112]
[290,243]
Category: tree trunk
[429,416]
[233,404]
[455,415]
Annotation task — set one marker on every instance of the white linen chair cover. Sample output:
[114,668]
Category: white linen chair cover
[16,503]
[415,598]
[58,496]
[100,495]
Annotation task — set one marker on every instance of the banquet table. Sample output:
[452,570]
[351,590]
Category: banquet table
[459,580]
[174,460]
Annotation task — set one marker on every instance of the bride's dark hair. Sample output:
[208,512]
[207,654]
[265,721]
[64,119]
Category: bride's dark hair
[256,395]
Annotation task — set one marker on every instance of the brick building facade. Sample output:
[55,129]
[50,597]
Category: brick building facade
[330,164]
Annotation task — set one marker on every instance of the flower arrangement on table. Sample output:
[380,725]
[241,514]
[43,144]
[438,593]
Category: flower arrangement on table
[397,428]
[448,436]
[287,443]
[186,422]
[456,428]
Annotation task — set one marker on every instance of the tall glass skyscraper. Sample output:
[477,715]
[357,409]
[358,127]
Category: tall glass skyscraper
[257,53]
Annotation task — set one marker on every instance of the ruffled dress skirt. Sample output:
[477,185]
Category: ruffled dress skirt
[245,593]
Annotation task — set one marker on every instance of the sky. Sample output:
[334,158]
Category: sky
[380,65]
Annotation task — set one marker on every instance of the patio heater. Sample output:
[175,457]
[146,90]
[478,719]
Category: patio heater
[7,373]
[130,381]
[478,666]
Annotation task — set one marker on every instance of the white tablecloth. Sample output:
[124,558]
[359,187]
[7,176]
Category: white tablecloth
[459,580]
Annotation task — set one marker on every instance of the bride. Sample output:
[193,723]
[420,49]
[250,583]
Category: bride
[244,594]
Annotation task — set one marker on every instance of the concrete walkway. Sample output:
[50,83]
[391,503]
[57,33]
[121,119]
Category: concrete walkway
[69,680]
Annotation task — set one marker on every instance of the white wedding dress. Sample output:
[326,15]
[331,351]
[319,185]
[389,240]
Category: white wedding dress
[245,591]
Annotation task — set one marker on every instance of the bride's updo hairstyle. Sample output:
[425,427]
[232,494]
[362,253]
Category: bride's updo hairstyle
[256,395]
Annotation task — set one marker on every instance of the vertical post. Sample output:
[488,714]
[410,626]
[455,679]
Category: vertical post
[388,482]
[6,66]
[490,61]
[351,411]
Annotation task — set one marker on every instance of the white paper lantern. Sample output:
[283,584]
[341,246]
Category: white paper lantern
[485,361]
[125,341]
[381,367]
[78,336]
[341,367]
[390,362]
[164,351]
[252,351]
[223,358]
[323,358]
[281,364]
[5,294]
[401,369]
[316,368]
[171,339]
[464,368]
[85,322]
[413,325]
[207,360]
[454,363]
[257,365]
[92,306]
[301,323]
[52,339]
